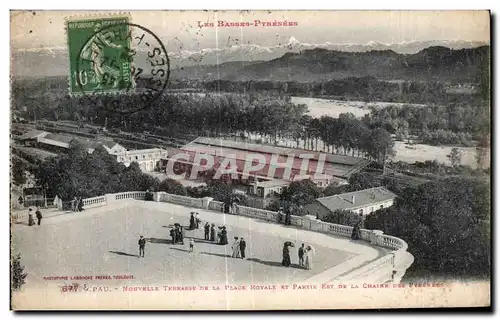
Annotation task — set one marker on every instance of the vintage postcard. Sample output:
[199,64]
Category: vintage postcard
[250,160]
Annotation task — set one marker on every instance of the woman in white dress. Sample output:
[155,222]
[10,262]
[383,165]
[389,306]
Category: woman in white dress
[236,248]
[308,257]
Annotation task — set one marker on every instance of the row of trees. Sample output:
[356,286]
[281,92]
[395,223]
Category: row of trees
[435,124]
[269,117]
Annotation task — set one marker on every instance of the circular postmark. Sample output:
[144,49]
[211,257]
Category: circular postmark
[122,67]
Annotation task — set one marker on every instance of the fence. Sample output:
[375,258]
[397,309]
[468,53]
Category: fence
[215,205]
[94,202]
[138,195]
[182,200]
[384,268]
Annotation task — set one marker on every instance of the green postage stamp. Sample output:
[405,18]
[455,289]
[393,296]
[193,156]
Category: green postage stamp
[99,55]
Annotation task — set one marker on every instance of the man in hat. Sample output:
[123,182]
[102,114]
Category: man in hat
[142,246]
[212,232]
[207,231]
[301,255]
[38,215]
[243,246]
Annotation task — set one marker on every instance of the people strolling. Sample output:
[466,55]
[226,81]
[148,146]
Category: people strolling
[31,221]
[207,231]
[192,222]
[356,231]
[286,254]
[308,254]
[236,248]
[223,236]
[142,246]
[301,255]
[38,215]
[212,232]
[243,246]
[191,245]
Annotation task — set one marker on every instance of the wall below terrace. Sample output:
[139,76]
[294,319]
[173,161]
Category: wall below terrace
[389,268]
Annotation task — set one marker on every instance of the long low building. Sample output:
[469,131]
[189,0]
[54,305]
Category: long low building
[148,159]
[277,162]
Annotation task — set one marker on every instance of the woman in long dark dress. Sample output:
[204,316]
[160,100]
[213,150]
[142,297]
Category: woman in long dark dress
[286,255]
[356,232]
[223,236]
[172,235]
[192,224]
[31,221]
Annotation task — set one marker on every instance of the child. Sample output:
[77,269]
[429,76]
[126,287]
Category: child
[191,245]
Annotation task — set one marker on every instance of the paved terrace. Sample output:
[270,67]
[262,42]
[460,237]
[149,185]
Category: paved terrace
[103,241]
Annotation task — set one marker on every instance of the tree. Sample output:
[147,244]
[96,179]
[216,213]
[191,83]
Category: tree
[172,186]
[18,171]
[220,191]
[443,222]
[455,157]
[481,156]
[301,193]
[380,145]
[363,180]
[17,274]
[334,189]
[80,174]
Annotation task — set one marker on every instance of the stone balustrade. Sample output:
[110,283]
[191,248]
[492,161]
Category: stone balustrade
[94,202]
[216,206]
[182,200]
[137,195]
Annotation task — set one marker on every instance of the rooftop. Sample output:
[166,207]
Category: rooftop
[66,139]
[59,137]
[242,156]
[266,148]
[33,134]
[362,198]
[273,183]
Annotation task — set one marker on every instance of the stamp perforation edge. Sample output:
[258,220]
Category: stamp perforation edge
[83,17]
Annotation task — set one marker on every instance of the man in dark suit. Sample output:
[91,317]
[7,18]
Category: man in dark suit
[142,245]
[207,231]
[301,256]
[243,246]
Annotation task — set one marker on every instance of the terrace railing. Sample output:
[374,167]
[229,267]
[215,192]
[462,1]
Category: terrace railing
[389,268]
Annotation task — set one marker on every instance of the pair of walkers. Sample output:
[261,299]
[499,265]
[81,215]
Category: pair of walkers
[239,246]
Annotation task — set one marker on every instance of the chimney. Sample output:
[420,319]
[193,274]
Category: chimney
[353,199]
[256,183]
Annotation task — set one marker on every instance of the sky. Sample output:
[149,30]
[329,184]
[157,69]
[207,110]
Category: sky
[179,30]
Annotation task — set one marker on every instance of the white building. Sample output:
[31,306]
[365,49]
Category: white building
[148,159]
[264,193]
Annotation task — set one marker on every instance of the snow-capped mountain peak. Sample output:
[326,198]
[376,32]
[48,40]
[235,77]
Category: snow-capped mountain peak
[293,41]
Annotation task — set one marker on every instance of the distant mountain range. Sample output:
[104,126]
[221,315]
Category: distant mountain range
[39,62]
[431,64]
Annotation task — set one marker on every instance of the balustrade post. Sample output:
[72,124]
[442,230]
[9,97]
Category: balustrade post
[156,196]
[205,202]
[110,198]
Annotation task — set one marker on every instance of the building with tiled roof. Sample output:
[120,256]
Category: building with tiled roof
[362,202]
